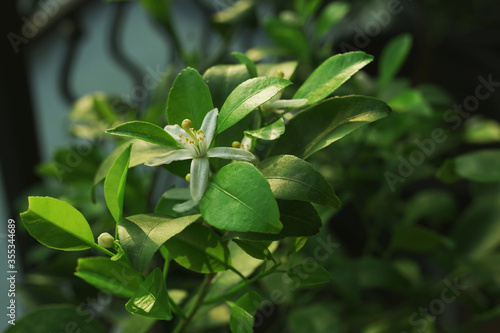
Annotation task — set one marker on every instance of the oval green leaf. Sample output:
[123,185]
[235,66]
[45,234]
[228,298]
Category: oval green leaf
[240,199]
[57,224]
[145,131]
[114,184]
[270,132]
[393,57]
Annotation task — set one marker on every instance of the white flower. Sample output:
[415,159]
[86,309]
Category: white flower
[196,145]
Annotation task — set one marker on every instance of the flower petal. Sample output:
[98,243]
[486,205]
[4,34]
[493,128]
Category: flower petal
[208,127]
[175,155]
[288,103]
[200,168]
[184,206]
[231,154]
[177,133]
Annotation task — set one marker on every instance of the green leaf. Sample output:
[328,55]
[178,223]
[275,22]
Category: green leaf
[414,238]
[288,36]
[234,13]
[239,199]
[110,276]
[482,131]
[159,9]
[258,250]
[243,312]
[57,224]
[270,132]
[393,57]
[327,122]
[411,100]
[243,59]
[142,235]
[199,249]
[318,317]
[308,274]
[292,178]
[145,131]
[189,98]
[151,298]
[170,198]
[56,318]
[114,185]
[330,16]
[248,96]
[447,173]
[331,74]
[479,166]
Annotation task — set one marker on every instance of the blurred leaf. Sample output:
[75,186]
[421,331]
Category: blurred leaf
[243,59]
[199,249]
[306,8]
[482,131]
[480,166]
[393,57]
[432,205]
[447,173]
[55,318]
[151,298]
[377,273]
[142,235]
[270,132]
[411,100]
[414,238]
[308,274]
[317,318]
[234,13]
[159,9]
[330,75]
[145,131]
[189,98]
[239,199]
[330,16]
[292,178]
[288,37]
[57,224]
[114,185]
[110,276]
[247,97]
[243,312]
[327,122]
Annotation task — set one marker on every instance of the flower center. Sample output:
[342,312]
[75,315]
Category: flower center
[194,137]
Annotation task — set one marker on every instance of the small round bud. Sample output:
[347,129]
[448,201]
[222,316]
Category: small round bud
[105,240]
[236,144]
[280,74]
[188,177]
[186,124]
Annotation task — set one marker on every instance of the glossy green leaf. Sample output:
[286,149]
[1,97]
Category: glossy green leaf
[480,166]
[243,312]
[243,59]
[482,131]
[330,16]
[411,100]
[292,178]
[145,131]
[327,122]
[223,79]
[55,318]
[142,235]
[270,132]
[288,37]
[393,57]
[199,249]
[110,276]
[414,238]
[308,274]
[114,185]
[331,74]
[248,96]
[57,224]
[189,98]
[151,298]
[239,199]
[258,250]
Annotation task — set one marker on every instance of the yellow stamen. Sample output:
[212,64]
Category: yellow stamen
[186,124]
[188,177]
[236,144]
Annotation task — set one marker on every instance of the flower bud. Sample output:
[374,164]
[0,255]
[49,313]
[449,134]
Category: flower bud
[105,240]
[236,144]
[186,124]
[188,177]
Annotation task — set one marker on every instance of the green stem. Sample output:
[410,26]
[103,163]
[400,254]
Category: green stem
[241,285]
[103,250]
[198,303]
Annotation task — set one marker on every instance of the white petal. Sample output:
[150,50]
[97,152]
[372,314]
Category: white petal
[175,155]
[208,127]
[200,169]
[177,133]
[184,206]
[231,154]
[288,103]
